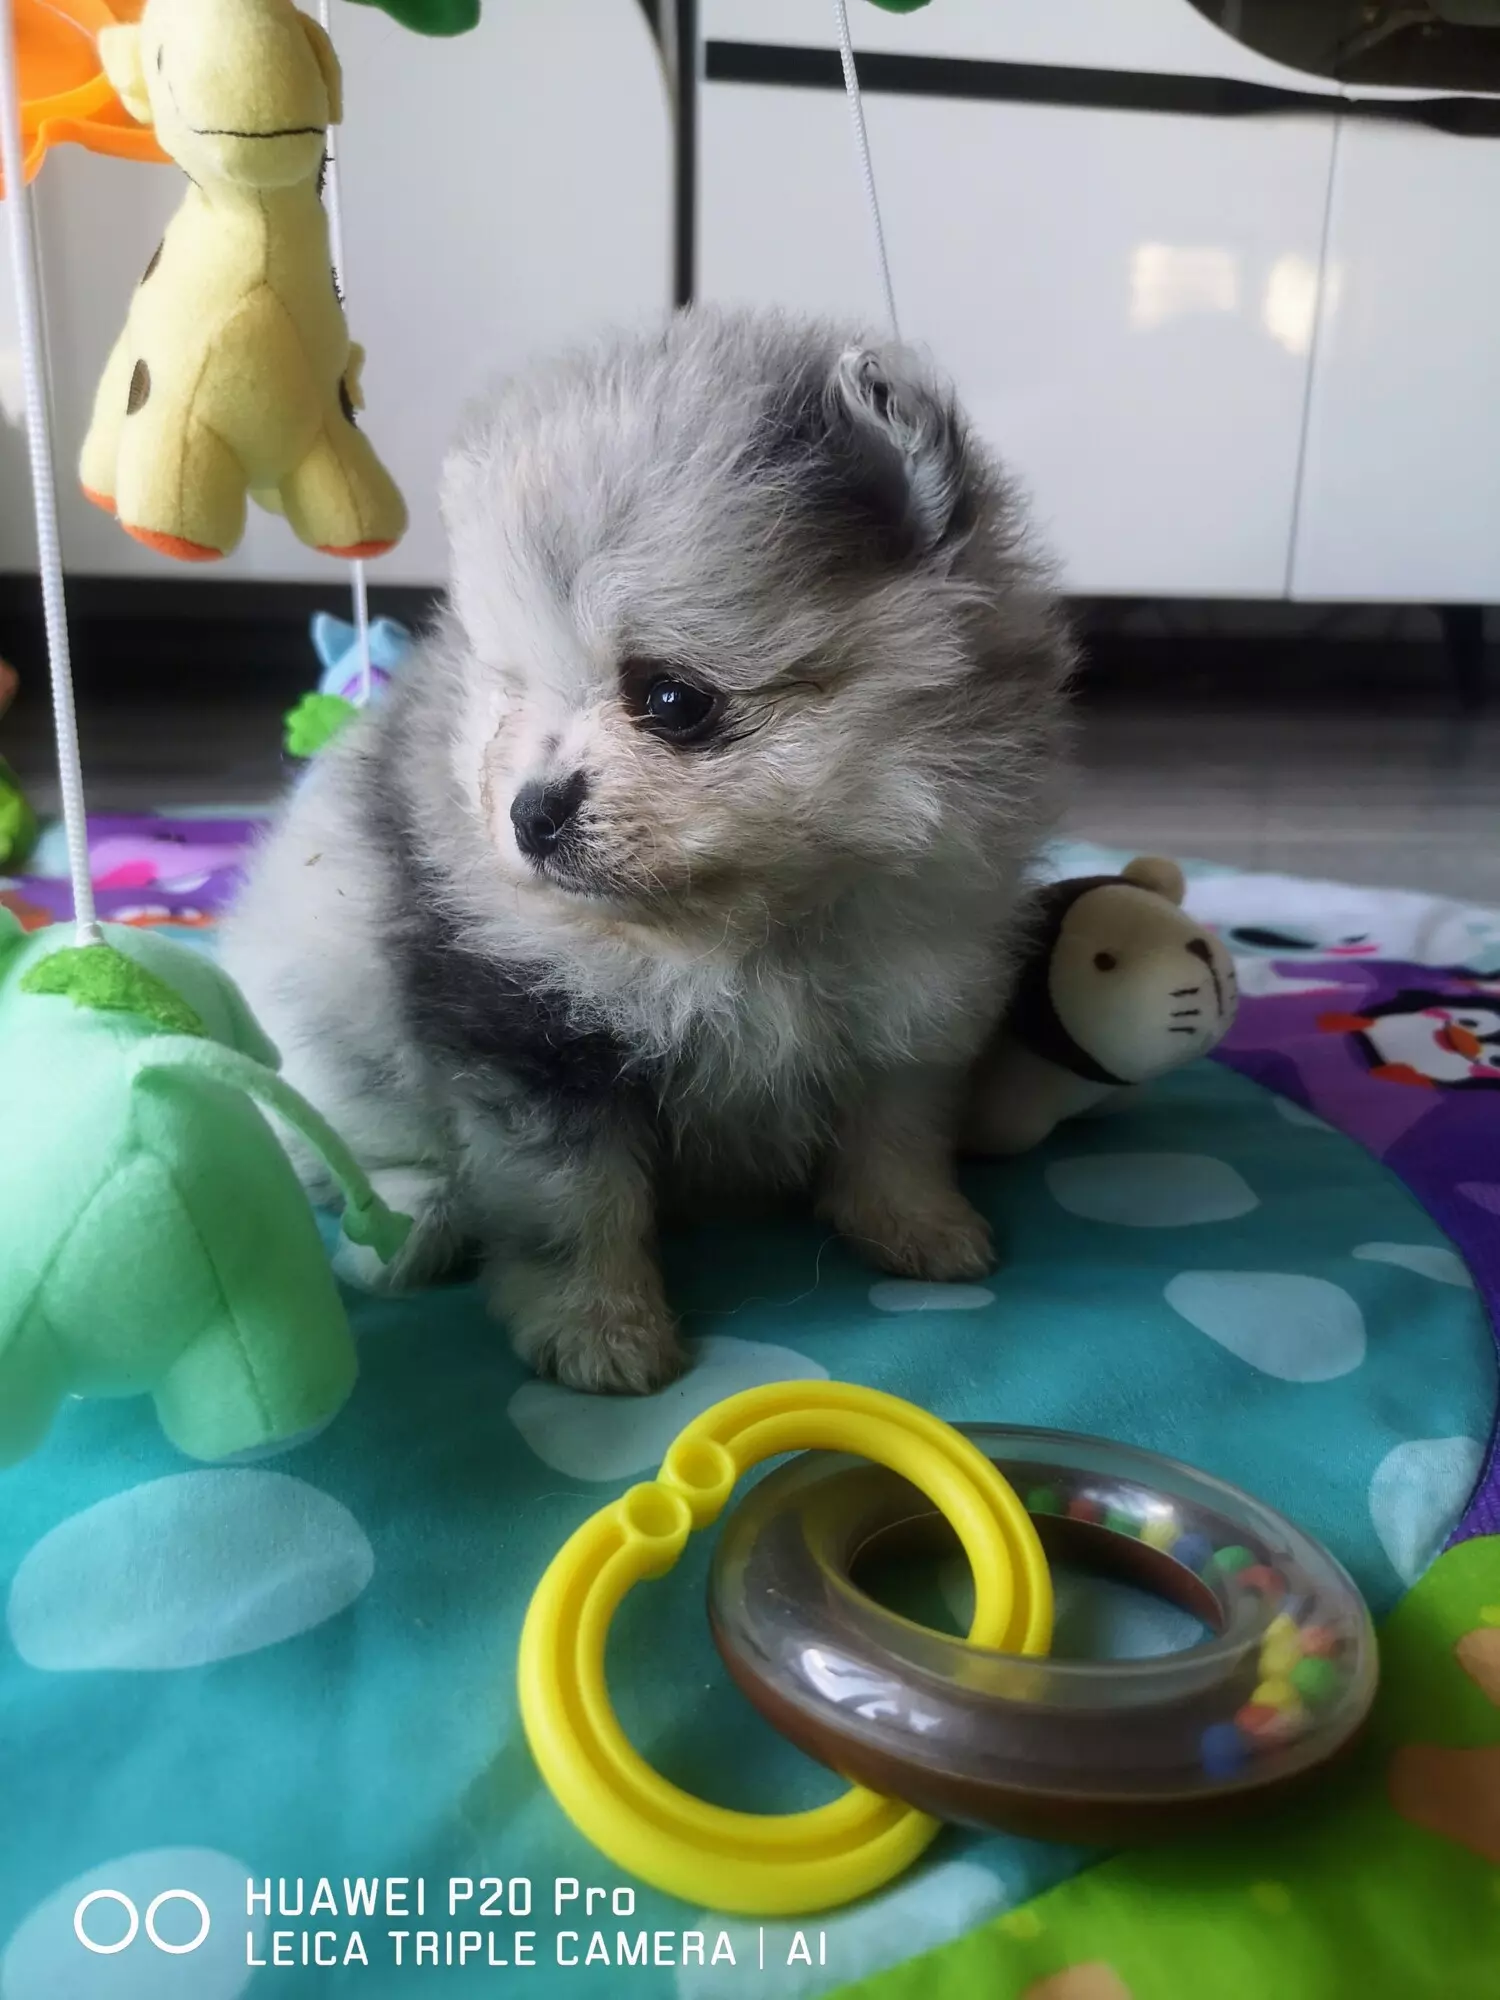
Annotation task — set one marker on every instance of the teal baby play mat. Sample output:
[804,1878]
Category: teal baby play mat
[300,1671]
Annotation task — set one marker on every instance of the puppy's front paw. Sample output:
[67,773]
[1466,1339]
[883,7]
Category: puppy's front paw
[940,1236]
[623,1346]
[629,1355]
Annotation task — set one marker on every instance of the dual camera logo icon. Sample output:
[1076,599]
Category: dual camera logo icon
[82,1933]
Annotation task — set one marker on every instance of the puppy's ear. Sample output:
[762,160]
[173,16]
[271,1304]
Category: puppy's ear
[899,447]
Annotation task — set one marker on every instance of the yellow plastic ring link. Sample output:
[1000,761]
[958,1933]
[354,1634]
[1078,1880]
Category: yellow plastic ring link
[778,1864]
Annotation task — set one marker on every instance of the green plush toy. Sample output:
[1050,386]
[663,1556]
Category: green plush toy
[431,17]
[18,827]
[154,1238]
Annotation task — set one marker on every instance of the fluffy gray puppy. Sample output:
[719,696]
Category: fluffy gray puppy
[684,858]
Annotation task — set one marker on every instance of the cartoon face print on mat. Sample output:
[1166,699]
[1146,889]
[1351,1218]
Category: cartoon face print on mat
[1436,1041]
[1275,916]
[1300,937]
[1286,940]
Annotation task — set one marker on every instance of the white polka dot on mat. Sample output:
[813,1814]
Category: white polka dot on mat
[1150,1190]
[910,1295]
[1483,1194]
[615,1437]
[1417,1494]
[1298,1329]
[1428,1260]
[1298,1114]
[926,1909]
[45,1961]
[197,1567]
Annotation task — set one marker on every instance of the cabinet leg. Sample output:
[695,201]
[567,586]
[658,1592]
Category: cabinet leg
[1463,644]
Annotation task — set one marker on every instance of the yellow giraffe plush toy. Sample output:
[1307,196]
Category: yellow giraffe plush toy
[235,373]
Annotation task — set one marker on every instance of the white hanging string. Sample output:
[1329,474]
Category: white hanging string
[866,169]
[43,484]
[359,582]
[39,266]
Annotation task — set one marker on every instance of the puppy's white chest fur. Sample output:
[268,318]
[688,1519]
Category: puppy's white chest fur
[764,1053]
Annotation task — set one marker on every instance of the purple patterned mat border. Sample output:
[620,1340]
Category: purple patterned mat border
[1405,1059]
[148,869]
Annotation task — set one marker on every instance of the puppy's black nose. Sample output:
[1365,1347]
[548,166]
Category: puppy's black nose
[540,813]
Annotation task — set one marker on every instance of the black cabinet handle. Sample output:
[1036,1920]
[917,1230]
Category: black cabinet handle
[1470,117]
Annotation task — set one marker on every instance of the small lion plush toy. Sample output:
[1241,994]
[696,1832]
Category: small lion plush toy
[1120,986]
[235,374]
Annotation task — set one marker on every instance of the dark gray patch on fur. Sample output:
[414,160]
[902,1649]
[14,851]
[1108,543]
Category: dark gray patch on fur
[140,389]
[501,1020]
[844,466]
[830,474]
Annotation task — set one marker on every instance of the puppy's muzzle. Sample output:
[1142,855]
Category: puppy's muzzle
[542,814]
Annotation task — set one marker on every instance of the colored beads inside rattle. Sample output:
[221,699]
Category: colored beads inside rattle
[1303,1664]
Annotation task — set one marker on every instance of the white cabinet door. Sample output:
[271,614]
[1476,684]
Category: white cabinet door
[505,193]
[1125,300]
[1401,489]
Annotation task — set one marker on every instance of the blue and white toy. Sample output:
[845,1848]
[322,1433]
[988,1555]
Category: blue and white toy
[337,647]
[342,691]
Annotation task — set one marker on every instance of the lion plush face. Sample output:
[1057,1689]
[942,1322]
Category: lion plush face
[1134,981]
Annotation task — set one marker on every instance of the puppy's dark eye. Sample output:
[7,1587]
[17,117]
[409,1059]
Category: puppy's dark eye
[677,710]
[1105,961]
[677,706]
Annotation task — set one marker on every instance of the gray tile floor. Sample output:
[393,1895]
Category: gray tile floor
[1398,800]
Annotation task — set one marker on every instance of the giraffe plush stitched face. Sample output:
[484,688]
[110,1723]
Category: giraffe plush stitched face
[237,90]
